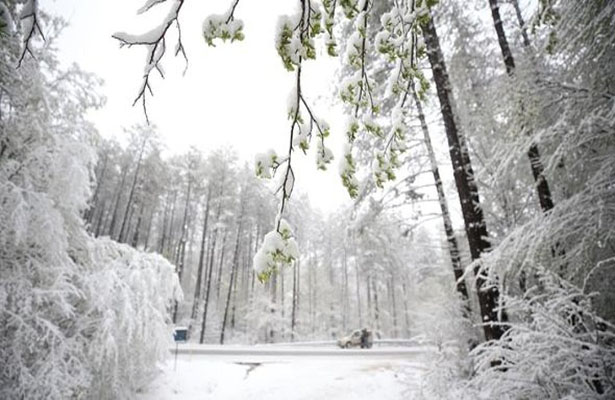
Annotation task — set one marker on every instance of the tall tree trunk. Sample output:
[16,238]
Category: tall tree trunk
[356,264]
[165,217]
[180,255]
[453,247]
[393,305]
[293,313]
[220,266]
[99,221]
[166,250]
[116,206]
[345,301]
[476,228]
[148,230]
[199,275]
[89,214]
[208,287]
[542,186]
[368,284]
[131,194]
[376,306]
[135,237]
[274,287]
[232,279]
[404,288]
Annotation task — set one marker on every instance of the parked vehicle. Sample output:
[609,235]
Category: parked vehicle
[363,338]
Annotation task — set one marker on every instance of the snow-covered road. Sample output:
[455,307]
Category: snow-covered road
[273,372]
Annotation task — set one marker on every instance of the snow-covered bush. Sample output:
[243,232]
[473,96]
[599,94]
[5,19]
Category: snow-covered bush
[126,321]
[561,350]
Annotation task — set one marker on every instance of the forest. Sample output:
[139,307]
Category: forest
[478,160]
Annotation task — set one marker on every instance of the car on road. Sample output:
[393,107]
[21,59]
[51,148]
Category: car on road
[363,338]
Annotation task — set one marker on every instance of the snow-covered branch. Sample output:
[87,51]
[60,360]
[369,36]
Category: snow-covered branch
[30,23]
[155,43]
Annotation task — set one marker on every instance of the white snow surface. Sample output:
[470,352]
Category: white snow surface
[230,375]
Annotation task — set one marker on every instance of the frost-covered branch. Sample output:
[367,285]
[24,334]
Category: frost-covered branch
[155,43]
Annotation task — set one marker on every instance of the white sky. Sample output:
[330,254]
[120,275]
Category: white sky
[233,94]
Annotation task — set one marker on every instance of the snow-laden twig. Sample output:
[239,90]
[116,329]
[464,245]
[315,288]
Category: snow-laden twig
[155,43]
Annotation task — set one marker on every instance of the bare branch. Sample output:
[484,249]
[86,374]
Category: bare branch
[31,25]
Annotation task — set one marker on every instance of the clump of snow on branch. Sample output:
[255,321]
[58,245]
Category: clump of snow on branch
[279,249]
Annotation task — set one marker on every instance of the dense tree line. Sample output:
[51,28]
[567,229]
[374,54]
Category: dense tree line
[208,215]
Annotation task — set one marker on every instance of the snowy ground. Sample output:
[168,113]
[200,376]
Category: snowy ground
[288,373]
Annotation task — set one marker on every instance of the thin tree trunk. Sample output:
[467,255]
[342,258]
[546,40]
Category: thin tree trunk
[368,282]
[135,237]
[169,242]
[476,228]
[148,231]
[358,294]
[99,220]
[131,194]
[99,182]
[453,247]
[345,301]
[208,287]
[165,217]
[116,207]
[220,265]
[199,275]
[181,246]
[404,289]
[376,306]
[232,279]
[393,306]
[293,314]
[542,185]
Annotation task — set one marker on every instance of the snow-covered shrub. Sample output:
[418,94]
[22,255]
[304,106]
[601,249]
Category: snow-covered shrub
[562,350]
[126,322]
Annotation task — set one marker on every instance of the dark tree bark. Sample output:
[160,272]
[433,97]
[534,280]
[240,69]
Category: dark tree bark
[124,228]
[208,288]
[89,214]
[220,266]
[293,314]
[358,294]
[393,305]
[135,238]
[453,247]
[118,196]
[232,278]
[199,275]
[345,301]
[99,221]
[181,246]
[148,230]
[168,244]
[476,228]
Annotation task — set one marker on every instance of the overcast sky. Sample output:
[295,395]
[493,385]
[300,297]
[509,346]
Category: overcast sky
[233,94]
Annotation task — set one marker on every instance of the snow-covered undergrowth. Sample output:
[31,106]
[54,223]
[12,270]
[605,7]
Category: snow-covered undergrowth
[562,349]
